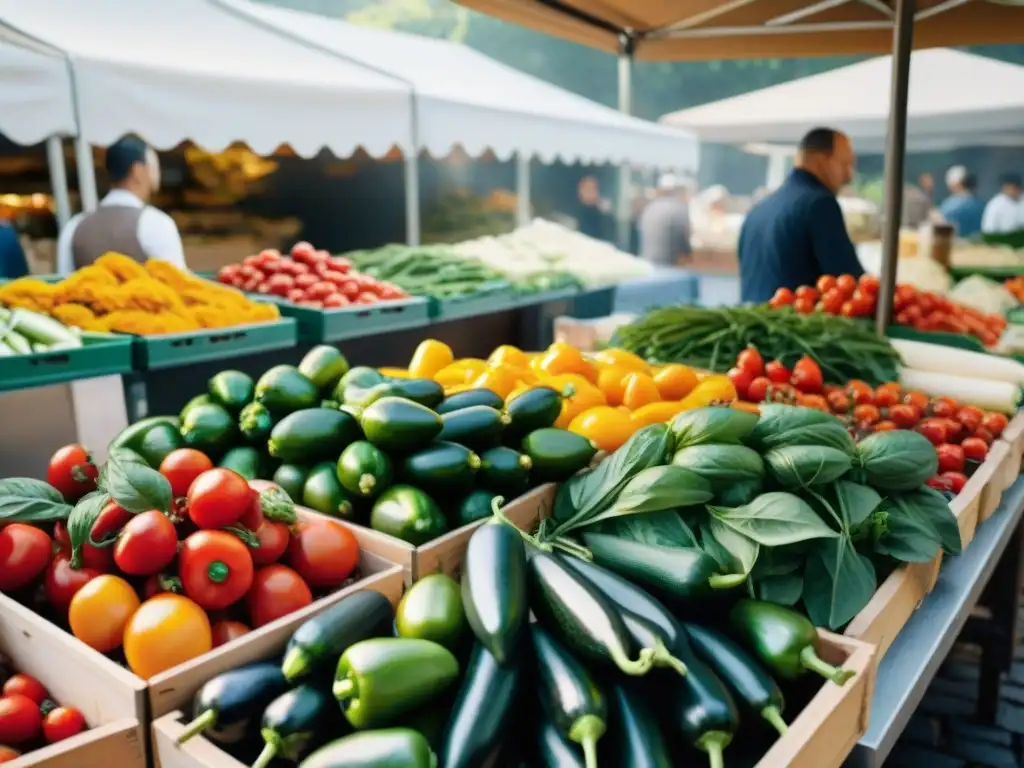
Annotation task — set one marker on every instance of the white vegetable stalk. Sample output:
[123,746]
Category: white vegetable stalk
[1001,396]
[958,362]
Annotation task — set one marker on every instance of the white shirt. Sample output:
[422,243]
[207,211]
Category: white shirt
[158,234]
[1002,214]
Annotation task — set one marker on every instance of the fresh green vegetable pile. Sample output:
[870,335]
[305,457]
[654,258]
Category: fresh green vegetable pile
[391,453]
[470,681]
[713,338]
[436,271]
[23,332]
[785,504]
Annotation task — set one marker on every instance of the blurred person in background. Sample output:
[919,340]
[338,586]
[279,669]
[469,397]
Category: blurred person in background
[664,224]
[12,256]
[797,233]
[123,222]
[593,213]
[1004,212]
[962,208]
[917,201]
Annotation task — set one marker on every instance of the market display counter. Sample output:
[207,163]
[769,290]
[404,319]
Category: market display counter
[916,654]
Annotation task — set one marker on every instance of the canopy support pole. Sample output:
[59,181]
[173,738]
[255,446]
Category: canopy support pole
[86,174]
[523,208]
[895,154]
[58,179]
[627,47]
[412,197]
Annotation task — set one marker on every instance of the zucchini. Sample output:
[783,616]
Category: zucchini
[441,468]
[505,471]
[227,706]
[494,589]
[312,434]
[245,460]
[323,493]
[322,639]
[475,505]
[407,513]
[557,454]
[535,408]
[364,470]
[470,397]
[477,426]
[18,343]
[324,365]
[291,478]
[700,708]
[130,436]
[432,610]
[232,390]
[386,748]
[639,741]
[294,722]
[423,391]
[40,329]
[553,750]
[397,424]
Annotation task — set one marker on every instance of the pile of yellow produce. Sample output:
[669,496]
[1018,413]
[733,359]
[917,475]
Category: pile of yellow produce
[608,395]
[119,294]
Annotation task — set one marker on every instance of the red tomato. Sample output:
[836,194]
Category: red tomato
[807,375]
[866,414]
[296,295]
[111,520]
[340,264]
[62,723]
[885,426]
[956,480]
[274,538]
[218,498]
[758,389]
[934,430]
[860,392]
[777,372]
[804,305]
[983,434]
[25,552]
[903,416]
[817,402]
[783,297]
[280,285]
[320,290]
[62,582]
[995,423]
[183,466]
[970,417]
[943,409]
[885,397]
[276,592]
[215,569]
[366,298]
[825,284]
[862,305]
[849,309]
[27,686]
[253,517]
[225,631]
[847,284]
[839,402]
[147,544]
[20,720]
[750,360]
[939,483]
[974,448]
[740,379]
[306,281]
[951,457]
[832,301]
[72,472]
[324,553]
[807,292]
[7,754]
[335,300]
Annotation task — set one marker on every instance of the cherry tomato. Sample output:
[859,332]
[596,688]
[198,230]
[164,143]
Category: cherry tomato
[885,426]
[225,631]
[832,301]
[939,483]
[862,305]
[983,434]
[866,414]
[109,523]
[100,610]
[956,480]
[215,569]
[324,553]
[62,723]
[20,719]
[273,537]
[27,686]
[218,498]
[868,285]
[166,630]
[276,592]
[72,472]
[885,397]
[182,467]
[817,402]
[804,305]
[25,552]
[807,375]
[740,379]
[777,372]
[253,517]
[934,430]
[783,297]
[943,409]
[807,292]
[7,754]
[750,360]
[758,389]
[951,457]
[903,416]
[825,284]
[784,393]
[970,417]
[839,402]
[995,423]
[62,582]
[849,309]
[974,448]
[147,544]
[847,284]
[860,392]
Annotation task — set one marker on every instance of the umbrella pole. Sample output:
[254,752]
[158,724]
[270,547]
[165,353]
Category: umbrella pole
[895,153]
[627,46]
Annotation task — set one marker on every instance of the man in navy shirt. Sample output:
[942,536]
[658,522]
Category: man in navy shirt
[797,233]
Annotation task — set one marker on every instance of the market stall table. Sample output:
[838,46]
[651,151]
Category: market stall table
[914,658]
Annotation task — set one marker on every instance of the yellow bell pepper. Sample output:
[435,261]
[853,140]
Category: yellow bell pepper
[657,413]
[429,358]
[713,389]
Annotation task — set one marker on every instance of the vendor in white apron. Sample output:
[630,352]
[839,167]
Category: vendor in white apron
[123,222]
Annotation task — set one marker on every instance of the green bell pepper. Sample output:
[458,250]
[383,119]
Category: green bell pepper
[390,748]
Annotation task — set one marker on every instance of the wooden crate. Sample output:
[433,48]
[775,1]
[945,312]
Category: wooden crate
[825,732]
[999,463]
[967,505]
[112,701]
[1014,435]
[198,752]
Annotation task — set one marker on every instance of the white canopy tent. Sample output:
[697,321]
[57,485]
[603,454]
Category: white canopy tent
[956,99]
[465,98]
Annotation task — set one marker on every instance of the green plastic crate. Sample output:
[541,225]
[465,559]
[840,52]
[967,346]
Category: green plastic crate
[992,273]
[473,304]
[357,321]
[101,354]
[543,297]
[173,350]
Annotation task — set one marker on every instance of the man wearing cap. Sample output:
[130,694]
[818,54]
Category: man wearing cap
[123,222]
[664,224]
[1004,212]
[962,208]
[797,233]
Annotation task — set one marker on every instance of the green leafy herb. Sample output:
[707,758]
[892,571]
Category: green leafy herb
[827,434]
[933,504]
[739,493]
[784,589]
[735,552]
[898,460]
[838,583]
[801,466]
[134,485]
[712,425]
[919,524]
[83,517]
[26,500]
[721,465]
[664,529]
[774,519]
[777,420]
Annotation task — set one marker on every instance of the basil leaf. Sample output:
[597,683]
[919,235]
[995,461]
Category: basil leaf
[838,583]
[855,502]
[134,485]
[26,500]
[774,519]
[712,425]
[30,488]
[740,552]
[663,529]
[782,561]
[934,506]
[801,466]
[83,517]
[784,589]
